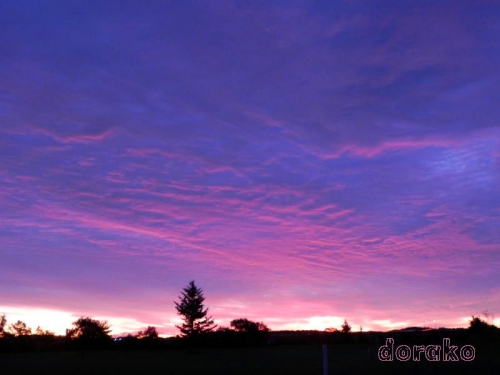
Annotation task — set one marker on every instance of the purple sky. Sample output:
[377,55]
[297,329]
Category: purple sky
[303,161]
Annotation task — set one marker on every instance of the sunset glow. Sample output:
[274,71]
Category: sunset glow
[303,162]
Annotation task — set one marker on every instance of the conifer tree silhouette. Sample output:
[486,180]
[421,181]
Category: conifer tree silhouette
[194,315]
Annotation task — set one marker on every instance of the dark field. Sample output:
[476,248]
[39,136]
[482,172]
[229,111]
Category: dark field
[289,360]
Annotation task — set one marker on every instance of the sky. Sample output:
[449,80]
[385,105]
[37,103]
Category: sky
[304,162]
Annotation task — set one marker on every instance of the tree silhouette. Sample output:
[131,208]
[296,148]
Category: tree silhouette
[19,328]
[346,328]
[190,307]
[89,332]
[249,333]
[3,322]
[40,332]
[148,333]
[476,324]
[245,325]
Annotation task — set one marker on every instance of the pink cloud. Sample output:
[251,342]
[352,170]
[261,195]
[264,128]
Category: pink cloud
[73,138]
[387,146]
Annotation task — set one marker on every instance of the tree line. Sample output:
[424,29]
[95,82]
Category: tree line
[197,328]
[196,324]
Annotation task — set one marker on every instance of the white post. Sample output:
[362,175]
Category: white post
[325,360]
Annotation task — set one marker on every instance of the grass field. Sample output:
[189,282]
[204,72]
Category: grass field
[286,360]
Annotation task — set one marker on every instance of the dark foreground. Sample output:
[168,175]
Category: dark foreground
[286,360]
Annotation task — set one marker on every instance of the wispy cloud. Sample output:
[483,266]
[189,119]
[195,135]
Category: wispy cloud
[292,152]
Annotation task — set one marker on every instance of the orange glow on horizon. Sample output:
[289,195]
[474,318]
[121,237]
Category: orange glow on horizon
[58,321]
